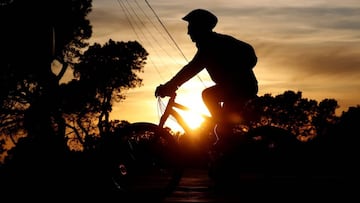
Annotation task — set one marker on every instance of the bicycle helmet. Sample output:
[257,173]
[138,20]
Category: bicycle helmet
[202,18]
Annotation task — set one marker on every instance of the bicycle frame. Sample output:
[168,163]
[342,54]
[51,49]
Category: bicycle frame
[172,108]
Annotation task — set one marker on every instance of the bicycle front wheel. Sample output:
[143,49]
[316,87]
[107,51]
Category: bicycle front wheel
[152,165]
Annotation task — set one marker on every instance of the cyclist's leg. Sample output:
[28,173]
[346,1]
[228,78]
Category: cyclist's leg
[212,97]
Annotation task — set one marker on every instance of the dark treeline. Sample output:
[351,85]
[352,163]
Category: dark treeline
[49,131]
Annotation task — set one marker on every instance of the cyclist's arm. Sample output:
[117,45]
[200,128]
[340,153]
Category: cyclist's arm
[188,71]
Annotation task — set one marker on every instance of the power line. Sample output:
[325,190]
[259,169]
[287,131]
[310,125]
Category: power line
[128,15]
[149,32]
[131,13]
[177,46]
[172,39]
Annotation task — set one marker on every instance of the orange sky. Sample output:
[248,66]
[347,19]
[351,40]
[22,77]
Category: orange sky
[310,46]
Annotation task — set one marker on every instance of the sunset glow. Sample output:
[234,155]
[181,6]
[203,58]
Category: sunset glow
[193,116]
[193,119]
[310,46]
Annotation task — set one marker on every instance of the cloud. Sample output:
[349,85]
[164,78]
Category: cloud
[310,45]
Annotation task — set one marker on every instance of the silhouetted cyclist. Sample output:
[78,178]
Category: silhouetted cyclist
[228,61]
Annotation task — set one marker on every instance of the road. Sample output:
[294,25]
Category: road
[196,186]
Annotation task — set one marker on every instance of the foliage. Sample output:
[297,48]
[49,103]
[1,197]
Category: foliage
[102,74]
[304,117]
[29,43]
[34,105]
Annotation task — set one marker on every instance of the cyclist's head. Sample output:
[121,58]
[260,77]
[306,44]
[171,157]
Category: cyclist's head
[201,19]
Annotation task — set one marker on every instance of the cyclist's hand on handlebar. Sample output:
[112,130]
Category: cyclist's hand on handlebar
[165,90]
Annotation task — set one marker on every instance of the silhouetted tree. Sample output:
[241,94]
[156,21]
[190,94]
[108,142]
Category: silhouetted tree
[34,104]
[292,112]
[346,138]
[34,33]
[101,76]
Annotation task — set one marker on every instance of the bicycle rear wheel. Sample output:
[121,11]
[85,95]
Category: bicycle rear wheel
[152,165]
[256,155]
[277,150]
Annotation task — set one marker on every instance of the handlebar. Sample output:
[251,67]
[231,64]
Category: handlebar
[164,90]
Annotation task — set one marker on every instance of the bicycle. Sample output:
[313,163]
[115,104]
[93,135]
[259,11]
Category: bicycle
[152,158]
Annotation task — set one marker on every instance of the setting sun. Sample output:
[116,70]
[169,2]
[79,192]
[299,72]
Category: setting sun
[193,119]
[194,116]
